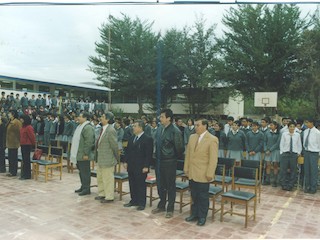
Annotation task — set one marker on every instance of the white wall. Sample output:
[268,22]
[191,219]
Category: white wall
[235,107]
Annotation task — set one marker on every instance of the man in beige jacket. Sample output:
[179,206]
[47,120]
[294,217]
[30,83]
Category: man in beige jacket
[107,156]
[200,165]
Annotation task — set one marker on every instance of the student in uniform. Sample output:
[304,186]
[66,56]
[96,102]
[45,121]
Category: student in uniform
[227,126]
[236,143]
[264,125]
[219,133]
[290,149]
[254,145]
[311,144]
[245,125]
[188,130]
[272,153]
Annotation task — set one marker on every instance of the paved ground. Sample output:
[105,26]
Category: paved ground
[37,210]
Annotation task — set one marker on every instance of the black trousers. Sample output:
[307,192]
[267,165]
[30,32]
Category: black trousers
[138,187]
[13,160]
[288,160]
[2,160]
[26,165]
[200,199]
[85,174]
[167,184]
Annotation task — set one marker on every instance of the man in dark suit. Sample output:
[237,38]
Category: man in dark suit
[137,161]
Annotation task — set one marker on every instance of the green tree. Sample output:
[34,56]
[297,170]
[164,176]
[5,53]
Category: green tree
[198,60]
[259,49]
[171,52]
[132,59]
[307,84]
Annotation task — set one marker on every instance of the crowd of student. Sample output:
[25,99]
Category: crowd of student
[243,138]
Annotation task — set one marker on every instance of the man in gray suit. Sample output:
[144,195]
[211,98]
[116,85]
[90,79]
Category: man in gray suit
[107,156]
[82,151]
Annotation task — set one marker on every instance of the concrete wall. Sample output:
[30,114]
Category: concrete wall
[235,108]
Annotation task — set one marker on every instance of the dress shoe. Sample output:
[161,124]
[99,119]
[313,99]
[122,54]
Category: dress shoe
[201,222]
[83,193]
[265,183]
[22,178]
[129,204]
[10,175]
[191,218]
[284,188]
[99,198]
[158,210]
[289,189]
[169,214]
[3,171]
[312,191]
[140,208]
[106,201]
[78,190]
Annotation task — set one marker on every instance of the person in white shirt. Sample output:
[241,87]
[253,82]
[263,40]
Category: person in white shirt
[227,126]
[290,149]
[311,144]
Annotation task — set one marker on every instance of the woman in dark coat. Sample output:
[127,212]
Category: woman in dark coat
[3,130]
[27,140]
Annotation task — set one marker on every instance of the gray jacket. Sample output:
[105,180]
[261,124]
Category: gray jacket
[107,154]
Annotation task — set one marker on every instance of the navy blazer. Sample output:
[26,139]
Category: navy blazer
[139,154]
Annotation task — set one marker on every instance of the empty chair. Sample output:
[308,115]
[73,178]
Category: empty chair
[151,182]
[181,188]
[215,191]
[241,197]
[66,146]
[248,184]
[119,179]
[229,163]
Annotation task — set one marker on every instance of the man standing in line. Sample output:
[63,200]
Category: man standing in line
[169,146]
[200,166]
[13,141]
[311,144]
[137,160]
[107,156]
[82,152]
[290,149]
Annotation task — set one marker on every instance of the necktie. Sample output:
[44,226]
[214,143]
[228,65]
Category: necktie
[291,144]
[99,137]
[197,142]
[135,139]
[307,140]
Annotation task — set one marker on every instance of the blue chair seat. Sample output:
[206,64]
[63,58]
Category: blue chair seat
[227,179]
[93,173]
[213,190]
[182,185]
[179,172]
[239,195]
[45,162]
[121,175]
[245,181]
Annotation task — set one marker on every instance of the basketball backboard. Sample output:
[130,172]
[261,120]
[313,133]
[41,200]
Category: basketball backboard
[265,99]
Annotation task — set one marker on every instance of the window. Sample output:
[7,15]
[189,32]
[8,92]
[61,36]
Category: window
[24,86]
[6,84]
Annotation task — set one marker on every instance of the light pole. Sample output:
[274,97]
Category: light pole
[109,66]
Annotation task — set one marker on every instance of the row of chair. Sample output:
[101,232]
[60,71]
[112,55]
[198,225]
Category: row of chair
[247,175]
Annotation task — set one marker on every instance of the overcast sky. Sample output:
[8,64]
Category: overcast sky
[54,42]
